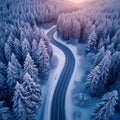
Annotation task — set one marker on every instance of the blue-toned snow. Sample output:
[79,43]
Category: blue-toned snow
[77,76]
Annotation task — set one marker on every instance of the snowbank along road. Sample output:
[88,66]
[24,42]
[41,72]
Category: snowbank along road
[58,102]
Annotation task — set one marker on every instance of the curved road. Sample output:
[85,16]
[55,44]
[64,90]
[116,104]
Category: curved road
[58,101]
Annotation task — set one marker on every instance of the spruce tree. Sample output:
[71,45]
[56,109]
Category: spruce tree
[8,52]
[91,42]
[30,67]
[25,48]
[34,50]
[46,41]
[17,49]
[12,76]
[43,59]
[98,77]
[19,108]
[27,98]
[18,68]
[106,108]
[93,80]
[99,56]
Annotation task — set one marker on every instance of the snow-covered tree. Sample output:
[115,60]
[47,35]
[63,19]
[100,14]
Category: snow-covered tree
[34,92]
[91,42]
[93,80]
[106,108]
[10,40]
[17,49]
[30,67]
[19,108]
[34,50]
[105,65]
[47,45]
[76,29]
[116,61]
[12,76]
[111,47]
[98,77]
[25,48]
[114,66]
[32,88]
[8,52]
[18,68]
[100,56]
[27,98]
[37,33]
[43,59]
[2,69]
[116,86]
[107,41]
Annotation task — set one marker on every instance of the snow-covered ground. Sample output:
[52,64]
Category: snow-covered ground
[77,76]
[49,88]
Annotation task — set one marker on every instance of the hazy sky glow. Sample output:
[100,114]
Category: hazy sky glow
[77,1]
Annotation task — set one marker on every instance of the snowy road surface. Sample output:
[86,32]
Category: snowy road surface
[58,102]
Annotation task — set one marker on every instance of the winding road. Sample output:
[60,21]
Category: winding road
[58,101]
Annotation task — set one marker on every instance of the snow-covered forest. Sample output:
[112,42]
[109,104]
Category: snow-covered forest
[25,60]
[97,28]
[33,11]
[26,54]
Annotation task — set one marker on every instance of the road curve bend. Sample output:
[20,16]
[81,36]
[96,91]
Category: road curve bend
[58,101]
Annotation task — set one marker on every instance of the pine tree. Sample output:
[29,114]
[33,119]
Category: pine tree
[116,86]
[98,77]
[114,66]
[30,67]
[37,33]
[46,41]
[12,76]
[76,29]
[106,108]
[99,56]
[116,61]
[27,98]
[19,108]
[92,42]
[18,68]
[8,52]
[105,65]
[34,50]
[43,59]
[2,69]
[32,88]
[93,80]
[107,41]
[17,48]
[25,48]
[10,40]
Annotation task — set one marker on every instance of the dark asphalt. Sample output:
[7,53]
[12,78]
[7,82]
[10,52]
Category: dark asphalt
[58,102]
